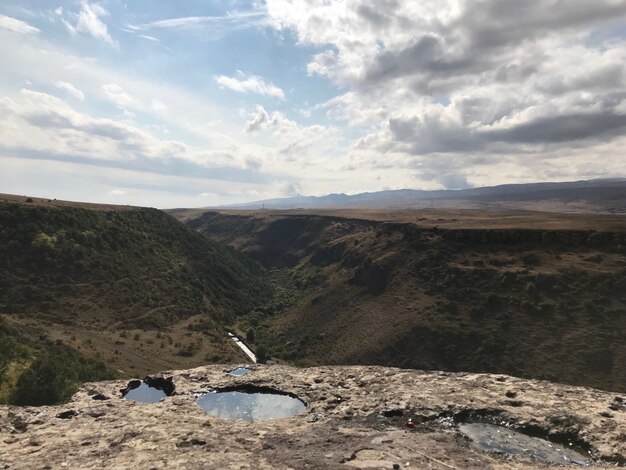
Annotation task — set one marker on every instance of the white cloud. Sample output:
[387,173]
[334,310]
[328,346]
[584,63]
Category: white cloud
[453,89]
[121,98]
[41,122]
[249,84]
[118,192]
[157,105]
[207,27]
[70,89]
[35,122]
[16,26]
[89,21]
[149,38]
[261,119]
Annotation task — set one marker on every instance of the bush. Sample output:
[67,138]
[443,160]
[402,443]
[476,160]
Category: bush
[261,354]
[250,335]
[531,259]
[55,376]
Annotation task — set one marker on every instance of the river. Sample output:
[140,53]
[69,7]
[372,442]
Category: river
[243,347]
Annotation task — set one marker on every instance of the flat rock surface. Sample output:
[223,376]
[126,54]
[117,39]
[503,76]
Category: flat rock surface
[357,417]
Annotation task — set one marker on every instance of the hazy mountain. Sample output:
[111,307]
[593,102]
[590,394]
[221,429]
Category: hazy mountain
[604,195]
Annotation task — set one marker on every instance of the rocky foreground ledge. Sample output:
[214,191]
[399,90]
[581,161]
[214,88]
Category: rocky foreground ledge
[357,417]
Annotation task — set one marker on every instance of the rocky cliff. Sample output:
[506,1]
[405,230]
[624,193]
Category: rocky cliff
[356,417]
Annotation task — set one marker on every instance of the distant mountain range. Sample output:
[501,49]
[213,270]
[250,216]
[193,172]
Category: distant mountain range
[600,195]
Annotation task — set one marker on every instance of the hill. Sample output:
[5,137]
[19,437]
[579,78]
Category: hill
[603,195]
[129,286]
[543,299]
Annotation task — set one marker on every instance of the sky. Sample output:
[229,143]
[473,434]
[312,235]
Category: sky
[200,103]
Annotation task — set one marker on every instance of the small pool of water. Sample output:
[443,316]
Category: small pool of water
[256,406]
[239,371]
[145,393]
[492,438]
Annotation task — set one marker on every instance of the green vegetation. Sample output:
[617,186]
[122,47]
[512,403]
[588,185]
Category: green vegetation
[256,323]
[85,273]
[532,302]
[42,373]
[138,266]
[55,376]
[15,357]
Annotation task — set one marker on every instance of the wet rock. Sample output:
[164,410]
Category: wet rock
[339,423]
[508,442]
[18,423]
[618,404]
[100,397]
[132,385]
[191,443]
[161,383]
[313,417]
[68,414]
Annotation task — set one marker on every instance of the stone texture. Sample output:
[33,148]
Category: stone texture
[358,417]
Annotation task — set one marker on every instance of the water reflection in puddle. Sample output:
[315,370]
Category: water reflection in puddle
[144,393]
[239,371]
[492,438]
[250,406]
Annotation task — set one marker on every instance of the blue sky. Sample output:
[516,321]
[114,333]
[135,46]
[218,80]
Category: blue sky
[199,103]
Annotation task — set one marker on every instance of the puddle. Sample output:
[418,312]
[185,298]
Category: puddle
[145,394]
[492,438]
[239,371]
[251,404]
[150,390]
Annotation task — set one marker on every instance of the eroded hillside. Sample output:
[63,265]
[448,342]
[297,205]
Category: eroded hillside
[533,302]
[133,288]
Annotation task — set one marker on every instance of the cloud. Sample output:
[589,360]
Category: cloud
[290,189]
[456,90]
[16,26]
[149,38]
[323,63]
[36,124]
[260,120]
[118,192]
[563,128]
[70,89]
[121,98]
[454,182]
[89,22]
[42,122]
[206,27]
[249,84]
[157,105]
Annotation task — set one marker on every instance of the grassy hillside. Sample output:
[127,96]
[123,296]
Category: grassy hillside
[533,302]
[133,287]
[42,372]
[137,267]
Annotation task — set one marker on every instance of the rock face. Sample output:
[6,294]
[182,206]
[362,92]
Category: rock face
[357,417]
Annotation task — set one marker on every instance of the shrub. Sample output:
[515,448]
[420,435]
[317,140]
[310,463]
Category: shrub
[531,259]
[250,335]
[261,354]
[55,376]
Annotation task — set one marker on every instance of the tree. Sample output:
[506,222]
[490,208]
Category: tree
[261,354]
[250,335]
